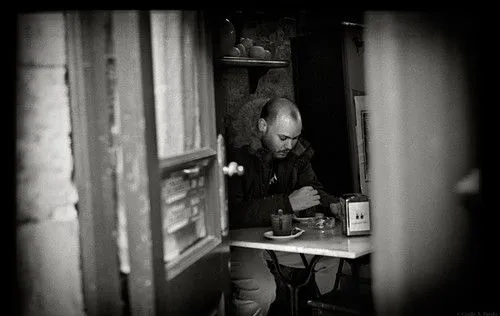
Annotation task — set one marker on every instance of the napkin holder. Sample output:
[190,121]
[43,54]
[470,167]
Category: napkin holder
[357,219]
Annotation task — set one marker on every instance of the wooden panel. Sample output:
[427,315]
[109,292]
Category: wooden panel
[132,36]
[82,166]
[198,289]
[90,127]
[175,161]
[207,108]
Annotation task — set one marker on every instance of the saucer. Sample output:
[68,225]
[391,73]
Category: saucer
[302,219]
[270,235]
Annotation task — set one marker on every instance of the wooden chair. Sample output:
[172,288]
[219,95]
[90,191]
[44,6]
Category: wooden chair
[347,300]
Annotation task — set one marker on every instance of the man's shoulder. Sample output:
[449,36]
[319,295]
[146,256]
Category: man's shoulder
[303,149]
[305,143]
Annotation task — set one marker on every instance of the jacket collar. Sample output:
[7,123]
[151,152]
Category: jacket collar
[302,148]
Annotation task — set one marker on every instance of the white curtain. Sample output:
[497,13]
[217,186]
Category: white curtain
[179,46]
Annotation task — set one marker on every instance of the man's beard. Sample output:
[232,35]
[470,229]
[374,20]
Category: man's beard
[281,154]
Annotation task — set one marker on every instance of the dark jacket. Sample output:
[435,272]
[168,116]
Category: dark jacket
[250,203]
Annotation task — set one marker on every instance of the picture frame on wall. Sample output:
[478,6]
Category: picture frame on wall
[363,142]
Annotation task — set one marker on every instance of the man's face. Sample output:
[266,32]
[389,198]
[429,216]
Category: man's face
[282,135]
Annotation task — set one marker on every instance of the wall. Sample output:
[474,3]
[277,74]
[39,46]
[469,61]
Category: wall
[274,33]
[47,231]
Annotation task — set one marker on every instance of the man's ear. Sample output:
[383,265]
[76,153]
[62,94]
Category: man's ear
[262,125]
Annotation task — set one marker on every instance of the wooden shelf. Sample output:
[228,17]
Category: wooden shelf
[256,67]
[253,62]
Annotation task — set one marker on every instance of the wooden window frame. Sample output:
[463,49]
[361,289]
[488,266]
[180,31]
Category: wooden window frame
[86,49]
[142,170]
[149,273]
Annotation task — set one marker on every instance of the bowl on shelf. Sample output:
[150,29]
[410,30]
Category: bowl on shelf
[227,36]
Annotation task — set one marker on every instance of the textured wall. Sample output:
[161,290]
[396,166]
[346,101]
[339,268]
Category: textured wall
[273,33]
[47,260]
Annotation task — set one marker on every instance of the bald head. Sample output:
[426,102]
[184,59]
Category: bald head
[280,125]
[280,108]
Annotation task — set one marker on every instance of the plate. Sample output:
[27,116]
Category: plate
[302,219]
[270,235]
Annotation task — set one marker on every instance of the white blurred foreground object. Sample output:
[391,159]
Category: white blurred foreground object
[233,168]
[418,86]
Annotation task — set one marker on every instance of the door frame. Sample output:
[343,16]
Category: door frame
[87,58]
[134,67]
[101,138]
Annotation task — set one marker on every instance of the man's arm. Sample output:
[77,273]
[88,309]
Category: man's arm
[245,210]
[307,177]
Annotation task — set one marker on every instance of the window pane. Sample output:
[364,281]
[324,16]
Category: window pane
[184,204]
[176,57]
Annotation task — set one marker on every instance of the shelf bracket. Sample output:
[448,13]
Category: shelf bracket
[254,75]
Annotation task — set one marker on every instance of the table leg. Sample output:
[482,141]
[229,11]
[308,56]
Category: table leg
[294,288]
[306,264]
[304,260]
[355,274]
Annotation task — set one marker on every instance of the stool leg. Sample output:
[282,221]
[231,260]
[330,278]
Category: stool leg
[355,266]
[339,274]
[355,275]
[295,301]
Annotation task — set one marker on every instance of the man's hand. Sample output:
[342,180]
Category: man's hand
[303,198]
[338,209]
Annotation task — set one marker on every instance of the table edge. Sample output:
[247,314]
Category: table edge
[278,247]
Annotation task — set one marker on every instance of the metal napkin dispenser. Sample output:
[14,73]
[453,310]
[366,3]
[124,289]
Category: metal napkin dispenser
[357,219]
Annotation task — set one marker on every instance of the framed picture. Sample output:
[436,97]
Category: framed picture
[363,142]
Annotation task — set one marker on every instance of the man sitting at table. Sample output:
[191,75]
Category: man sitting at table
[277,175]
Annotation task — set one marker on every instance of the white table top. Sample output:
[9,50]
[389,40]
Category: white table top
[332,243]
